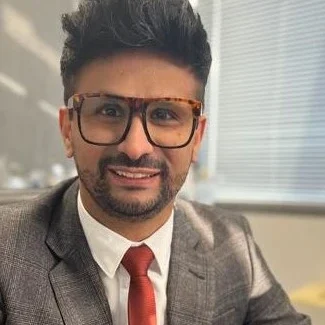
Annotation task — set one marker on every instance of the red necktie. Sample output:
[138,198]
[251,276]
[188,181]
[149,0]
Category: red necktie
[141,305]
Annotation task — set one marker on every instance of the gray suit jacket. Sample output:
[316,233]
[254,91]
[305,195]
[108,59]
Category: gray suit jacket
[217,274]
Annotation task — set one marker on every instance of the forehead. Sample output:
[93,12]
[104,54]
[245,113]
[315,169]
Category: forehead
[139,74]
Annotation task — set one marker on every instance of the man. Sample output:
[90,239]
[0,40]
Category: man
[134,74]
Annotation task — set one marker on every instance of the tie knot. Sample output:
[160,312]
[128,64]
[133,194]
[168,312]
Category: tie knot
[137,260]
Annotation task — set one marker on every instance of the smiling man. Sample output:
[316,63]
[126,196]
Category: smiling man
[133,128]
[115,245]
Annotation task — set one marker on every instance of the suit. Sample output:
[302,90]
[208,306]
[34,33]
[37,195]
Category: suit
[216,276]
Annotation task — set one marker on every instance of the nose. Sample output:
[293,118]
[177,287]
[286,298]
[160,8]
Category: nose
[136,143]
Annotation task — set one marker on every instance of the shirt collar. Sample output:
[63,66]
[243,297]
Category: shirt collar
[108,247]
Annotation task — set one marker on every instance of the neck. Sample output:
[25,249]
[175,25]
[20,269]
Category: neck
[132,230]
[135,231]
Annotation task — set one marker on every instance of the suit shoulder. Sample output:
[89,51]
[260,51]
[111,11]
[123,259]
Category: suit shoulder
[213,214]
[29,217]
[215,226]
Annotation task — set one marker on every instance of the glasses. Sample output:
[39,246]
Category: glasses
[105,119]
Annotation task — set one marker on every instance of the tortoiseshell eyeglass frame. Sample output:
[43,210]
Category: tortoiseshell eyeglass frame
[137,105]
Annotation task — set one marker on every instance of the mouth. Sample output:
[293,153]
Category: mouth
[134,173]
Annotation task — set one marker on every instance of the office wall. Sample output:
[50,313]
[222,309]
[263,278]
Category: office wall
[30,87]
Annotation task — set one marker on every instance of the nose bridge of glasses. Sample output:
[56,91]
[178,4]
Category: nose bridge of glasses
[137,105]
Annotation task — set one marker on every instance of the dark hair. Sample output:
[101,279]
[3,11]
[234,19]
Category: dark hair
[100,28]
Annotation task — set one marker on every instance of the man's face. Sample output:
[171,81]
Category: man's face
[133,180]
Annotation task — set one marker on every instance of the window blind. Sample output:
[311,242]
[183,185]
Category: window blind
[270,139]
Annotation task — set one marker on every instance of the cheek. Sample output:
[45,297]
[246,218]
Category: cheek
[86,155]
[79,144]
[179,159]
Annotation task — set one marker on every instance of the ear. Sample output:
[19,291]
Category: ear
[65,128]
[198,135]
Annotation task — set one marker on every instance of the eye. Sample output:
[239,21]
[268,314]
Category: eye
[162,114]
[110,110]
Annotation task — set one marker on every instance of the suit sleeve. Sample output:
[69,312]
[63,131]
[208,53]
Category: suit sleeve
[2,320]
[269,304]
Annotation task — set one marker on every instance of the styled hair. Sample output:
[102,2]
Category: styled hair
[100,28]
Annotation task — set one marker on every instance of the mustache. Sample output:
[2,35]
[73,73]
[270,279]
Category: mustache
[123,160]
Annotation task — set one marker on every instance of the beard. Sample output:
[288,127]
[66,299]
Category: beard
[130,210]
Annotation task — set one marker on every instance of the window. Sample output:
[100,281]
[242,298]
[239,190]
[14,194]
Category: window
[266,102]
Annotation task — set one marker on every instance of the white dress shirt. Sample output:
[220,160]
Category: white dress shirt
[108,248]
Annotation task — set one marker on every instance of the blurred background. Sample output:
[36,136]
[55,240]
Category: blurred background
[264,153]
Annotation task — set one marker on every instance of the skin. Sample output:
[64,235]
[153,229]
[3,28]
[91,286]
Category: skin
[138,74]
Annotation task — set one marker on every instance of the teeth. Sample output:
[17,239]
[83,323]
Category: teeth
[132,175]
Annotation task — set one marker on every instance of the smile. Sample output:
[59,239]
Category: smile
[135,173]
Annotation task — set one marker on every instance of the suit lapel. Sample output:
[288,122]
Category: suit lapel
[75,279]
[187,296]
